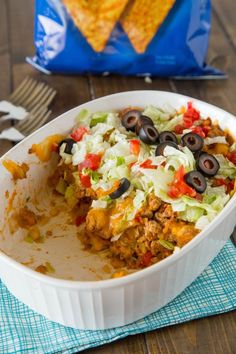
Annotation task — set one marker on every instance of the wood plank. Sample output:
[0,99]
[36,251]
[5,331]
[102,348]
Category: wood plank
[208,335]
[101,86]
[218,92]
[21,18]
[5,81]
[71,90]
[133,344]
[3,27]
[4,92]
[225,11]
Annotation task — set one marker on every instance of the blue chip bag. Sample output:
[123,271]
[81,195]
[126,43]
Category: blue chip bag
[165,38]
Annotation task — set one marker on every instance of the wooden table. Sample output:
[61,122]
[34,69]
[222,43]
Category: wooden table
[213,335]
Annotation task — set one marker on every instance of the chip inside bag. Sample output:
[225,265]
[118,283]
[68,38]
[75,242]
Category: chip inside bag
[165,38]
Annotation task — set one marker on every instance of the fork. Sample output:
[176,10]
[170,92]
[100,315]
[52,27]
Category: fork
[28,94]
[32,122]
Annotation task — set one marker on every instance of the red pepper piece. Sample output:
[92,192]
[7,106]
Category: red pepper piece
[179,129]
[135,146]
[232,156]
[148,164]
[191,115]
[145,260]
[179,187]
[85,180]
[78,134]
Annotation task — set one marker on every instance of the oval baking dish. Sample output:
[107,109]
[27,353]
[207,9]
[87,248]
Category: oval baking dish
[116,302]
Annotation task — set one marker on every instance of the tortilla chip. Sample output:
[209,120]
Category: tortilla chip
[142,19]
[95,19]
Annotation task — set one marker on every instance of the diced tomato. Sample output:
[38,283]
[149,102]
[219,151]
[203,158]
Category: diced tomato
[80,220]
[227,182]
[148,164]
[199,130]
[179,175]
[138,219]
[188,122]
[230,186]
[91,161]
[232,156]
[146,259]
[179,129]
[173,192]
[78,134]
[219,182]
[85,180]
[206,129]
[135,146]
[179,187]
[191,115]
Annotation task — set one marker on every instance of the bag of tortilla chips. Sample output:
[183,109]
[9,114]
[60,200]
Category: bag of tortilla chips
[165,38]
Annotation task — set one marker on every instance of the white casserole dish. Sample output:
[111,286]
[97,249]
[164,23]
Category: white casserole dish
[116,302]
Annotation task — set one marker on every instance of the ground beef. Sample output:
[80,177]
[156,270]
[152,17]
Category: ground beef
[164,214]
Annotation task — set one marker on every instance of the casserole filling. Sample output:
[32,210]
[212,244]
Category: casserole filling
[143,183]
[140,183]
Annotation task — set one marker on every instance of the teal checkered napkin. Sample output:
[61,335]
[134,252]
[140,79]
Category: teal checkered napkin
[24,331]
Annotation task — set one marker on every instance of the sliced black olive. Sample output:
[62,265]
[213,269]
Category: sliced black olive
[167,136]
[196,180]
[69,145]
[197,154]
[207,165]
[193,141]
[160,148]
[142,121]
[148,134]
[123,187]
[130,119]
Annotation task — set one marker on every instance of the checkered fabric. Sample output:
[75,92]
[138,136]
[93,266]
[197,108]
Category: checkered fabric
[24,331]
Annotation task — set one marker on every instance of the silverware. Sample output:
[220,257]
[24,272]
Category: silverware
[32,122]
[29,94]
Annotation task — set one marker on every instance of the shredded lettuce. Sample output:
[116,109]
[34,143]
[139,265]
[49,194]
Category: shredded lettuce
[138,201]
[215,140]
[78,152]
[203,212]
[191,214]
[232,147]
[160,179]
[108,137]
[163,120]
[99,117]
[167,244]
[83,118]
[122,148]
[119,172]
[227,168]
[176,158]
[156,114]
[100,128]
[120,160]
[95,176]
[99,204]
[170,125]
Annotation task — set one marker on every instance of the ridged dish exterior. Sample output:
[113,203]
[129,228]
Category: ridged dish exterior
[117,302]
